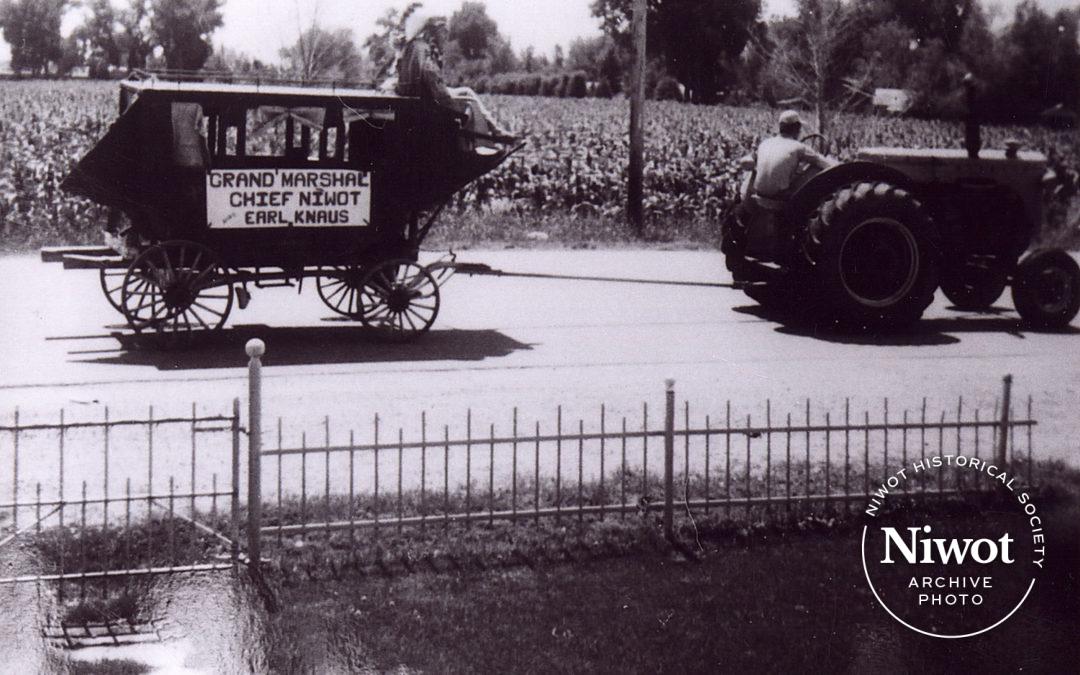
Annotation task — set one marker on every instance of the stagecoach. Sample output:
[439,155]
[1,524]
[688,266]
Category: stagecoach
[215,188]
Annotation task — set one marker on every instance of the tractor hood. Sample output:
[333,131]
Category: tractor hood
[952,165]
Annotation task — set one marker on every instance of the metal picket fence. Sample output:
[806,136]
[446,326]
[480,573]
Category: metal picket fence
[111,500]
[615,466]
[180,494]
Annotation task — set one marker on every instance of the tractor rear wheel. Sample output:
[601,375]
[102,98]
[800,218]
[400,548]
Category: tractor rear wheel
[975,284]
[874,252]
[1046,289]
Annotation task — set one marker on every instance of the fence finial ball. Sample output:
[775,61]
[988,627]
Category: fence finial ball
[255,348]
[670,383]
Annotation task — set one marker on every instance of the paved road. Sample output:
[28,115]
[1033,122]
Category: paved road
[501,342]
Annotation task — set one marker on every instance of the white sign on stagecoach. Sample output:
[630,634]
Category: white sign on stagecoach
[237,199]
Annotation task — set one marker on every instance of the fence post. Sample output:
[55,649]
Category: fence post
[234,514]
[255,349]
[669,460]
[1001,456]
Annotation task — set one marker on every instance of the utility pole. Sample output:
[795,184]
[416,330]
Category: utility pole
[635,187]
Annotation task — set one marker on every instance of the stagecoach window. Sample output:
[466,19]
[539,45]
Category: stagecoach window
[266,132]
[276,131]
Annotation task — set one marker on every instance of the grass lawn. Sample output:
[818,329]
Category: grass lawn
[775,603]
[786,594]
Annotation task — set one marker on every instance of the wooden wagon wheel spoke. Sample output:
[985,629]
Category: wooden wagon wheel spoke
[381,285]
[418,315]
[140,286]
[336,284]
[153,274]
[167,266]
[149,299]
[350,300]
[198,318]
[203,277]
[209,309]
[338,290]
[346,294]
[144,293]
[378,311]
[416,304]
[198,278]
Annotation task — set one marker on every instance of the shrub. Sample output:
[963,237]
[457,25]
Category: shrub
[532,85]
[563,88]
[577,85]
[667,89]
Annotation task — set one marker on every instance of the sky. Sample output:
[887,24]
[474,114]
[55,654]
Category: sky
[261,28]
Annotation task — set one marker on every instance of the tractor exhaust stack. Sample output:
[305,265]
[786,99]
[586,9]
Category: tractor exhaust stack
[972,135]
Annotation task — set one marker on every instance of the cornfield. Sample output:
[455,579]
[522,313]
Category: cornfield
[575,159]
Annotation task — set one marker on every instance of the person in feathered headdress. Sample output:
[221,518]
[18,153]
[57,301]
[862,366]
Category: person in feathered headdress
[419,73]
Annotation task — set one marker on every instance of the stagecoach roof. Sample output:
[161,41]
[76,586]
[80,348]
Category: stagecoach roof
[253,88]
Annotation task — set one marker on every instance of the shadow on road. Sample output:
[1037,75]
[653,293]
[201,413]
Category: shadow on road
[927,332]
[312,345]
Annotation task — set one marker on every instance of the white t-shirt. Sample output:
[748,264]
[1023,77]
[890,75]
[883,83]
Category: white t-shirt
[777,159]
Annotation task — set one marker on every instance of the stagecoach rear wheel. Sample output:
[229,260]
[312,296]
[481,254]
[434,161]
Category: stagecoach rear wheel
[176,288]
[339,289]
[112,285]
[400,300]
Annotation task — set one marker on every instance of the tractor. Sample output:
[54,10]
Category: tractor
[868,242]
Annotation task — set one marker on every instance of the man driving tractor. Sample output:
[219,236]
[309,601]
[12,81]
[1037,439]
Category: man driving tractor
[783,164]
[779,159]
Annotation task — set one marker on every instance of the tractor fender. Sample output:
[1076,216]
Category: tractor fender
[817,189]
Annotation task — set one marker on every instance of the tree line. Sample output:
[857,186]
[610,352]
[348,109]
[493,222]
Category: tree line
[830,55]
[167,33]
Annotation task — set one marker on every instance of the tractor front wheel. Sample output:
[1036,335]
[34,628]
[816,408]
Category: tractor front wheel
[975,284]
[1046,289]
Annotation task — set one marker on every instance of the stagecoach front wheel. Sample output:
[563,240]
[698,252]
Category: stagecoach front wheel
[339,289]
[176,288]
[400,300]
